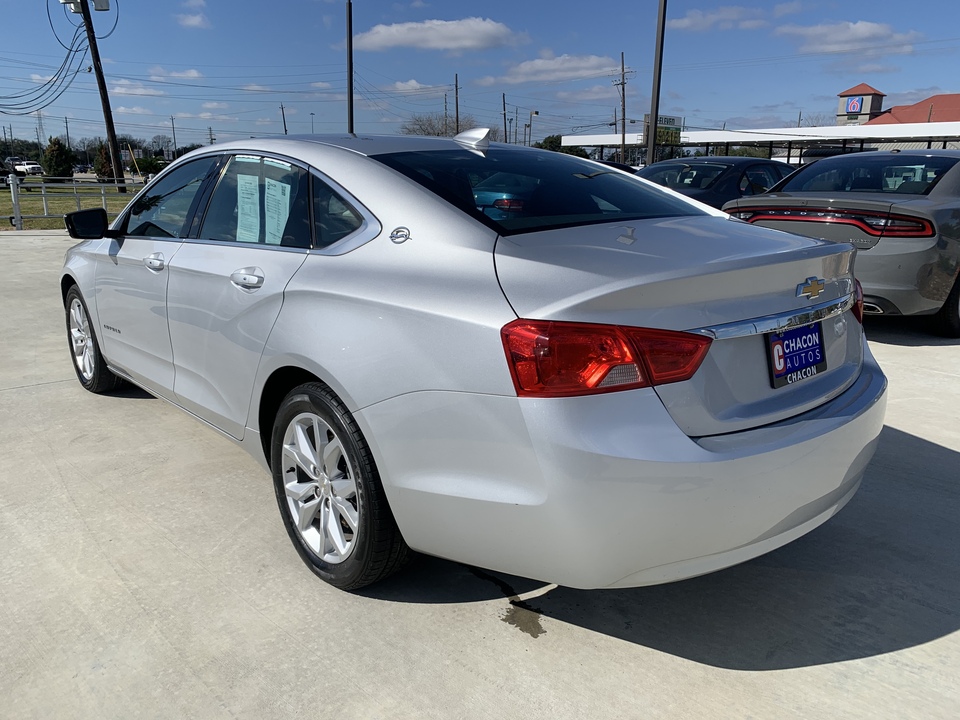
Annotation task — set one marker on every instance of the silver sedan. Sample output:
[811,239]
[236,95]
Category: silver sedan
[587,380]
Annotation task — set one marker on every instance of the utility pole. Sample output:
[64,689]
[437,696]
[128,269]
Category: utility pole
[456,102]
[212,138]
[623,111]
[516,123]
[655,95]
[174,128]
[283,115]
[39,147]
[67,124]
[104,97]
[503,97]
[349,67]
[40,131]
[311,123]
[445,115]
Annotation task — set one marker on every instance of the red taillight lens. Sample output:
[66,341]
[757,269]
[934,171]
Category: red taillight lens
[858,302]
[557,359]
[508,204]
[875,224]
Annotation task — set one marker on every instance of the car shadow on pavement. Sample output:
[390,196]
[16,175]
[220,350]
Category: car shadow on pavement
[905,331]
[881,576]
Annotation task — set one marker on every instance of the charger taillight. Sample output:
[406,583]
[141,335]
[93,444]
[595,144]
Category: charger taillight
[558,359]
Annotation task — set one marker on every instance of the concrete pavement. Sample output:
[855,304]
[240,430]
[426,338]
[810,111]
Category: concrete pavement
[144,573]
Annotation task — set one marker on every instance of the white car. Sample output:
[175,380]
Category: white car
[589,380]
[28,167]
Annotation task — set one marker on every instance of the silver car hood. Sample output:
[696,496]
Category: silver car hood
[675,273]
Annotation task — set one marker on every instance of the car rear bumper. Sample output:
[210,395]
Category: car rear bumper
[605,491]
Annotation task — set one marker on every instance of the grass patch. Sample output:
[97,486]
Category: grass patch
[60,199]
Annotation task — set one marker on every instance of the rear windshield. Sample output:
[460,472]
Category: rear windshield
[871,173]
[684,176]
[516,191]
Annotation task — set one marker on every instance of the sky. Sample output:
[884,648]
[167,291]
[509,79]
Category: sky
[223,68]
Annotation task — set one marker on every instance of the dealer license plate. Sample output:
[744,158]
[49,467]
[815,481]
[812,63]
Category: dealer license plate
[796,354]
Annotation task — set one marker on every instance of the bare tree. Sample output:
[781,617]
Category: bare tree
[161,142]
[439,125]
[820,119]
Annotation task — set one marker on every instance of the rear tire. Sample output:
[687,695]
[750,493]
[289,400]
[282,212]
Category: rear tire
[329,491]
[948,319]
[88,362]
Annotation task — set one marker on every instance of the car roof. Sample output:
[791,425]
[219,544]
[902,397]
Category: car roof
[369,145]
[719,160]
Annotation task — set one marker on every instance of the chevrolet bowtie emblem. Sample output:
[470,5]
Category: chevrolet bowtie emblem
[811,288]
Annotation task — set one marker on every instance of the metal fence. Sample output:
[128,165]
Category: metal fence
[84,193]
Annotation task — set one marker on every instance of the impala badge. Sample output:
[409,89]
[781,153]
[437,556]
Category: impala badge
[811,288]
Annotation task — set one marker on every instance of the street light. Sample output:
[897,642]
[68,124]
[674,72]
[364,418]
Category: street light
[530,125]
[311,123]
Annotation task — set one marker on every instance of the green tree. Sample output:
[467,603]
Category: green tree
[150,165]
[101,164]
[552,142]
[57,160]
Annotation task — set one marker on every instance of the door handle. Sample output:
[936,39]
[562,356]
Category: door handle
[247,278]
[154,261]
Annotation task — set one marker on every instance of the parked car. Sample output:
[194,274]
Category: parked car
[717,180]
[610,387]
[28,167]
[12,165]
[900,209]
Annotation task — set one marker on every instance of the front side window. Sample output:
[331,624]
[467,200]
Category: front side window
[516,191]
[757,179]
[259,200]
[163,209]
[872,173]
[684,176]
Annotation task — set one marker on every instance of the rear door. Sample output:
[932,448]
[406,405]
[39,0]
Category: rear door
[226,286]
[131,277]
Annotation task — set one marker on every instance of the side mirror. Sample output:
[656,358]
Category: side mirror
[87,224]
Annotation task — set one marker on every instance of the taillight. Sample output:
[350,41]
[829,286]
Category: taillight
[557,359]
[508,204]
[875,224]
[858,302]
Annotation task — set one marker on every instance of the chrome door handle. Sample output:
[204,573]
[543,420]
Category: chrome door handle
[154,261]
[247,278]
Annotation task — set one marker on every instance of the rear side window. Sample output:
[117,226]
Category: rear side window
[684,176]
[334,217]
[259,200]
[871,173]
[162,210]
[516,191]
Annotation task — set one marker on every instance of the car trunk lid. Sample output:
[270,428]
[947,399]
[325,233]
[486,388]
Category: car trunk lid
[711,275]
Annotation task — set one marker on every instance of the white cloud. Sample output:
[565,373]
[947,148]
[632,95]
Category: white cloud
[455,35]
[197,21]
[787,8]
[214,106]
[553,69]
[194,3]
[862,37]
[408,85]
[128,87]
[723,18]
[266,121]
[41,78]
[321,85]
[158,73]
[253,87]
[136,110]
[596,92]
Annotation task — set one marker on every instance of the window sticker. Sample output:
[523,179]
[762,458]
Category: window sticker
[248,208]
[276,203]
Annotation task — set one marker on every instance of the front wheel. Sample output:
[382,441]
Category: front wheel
[948,319]
[88,362]
[329,491]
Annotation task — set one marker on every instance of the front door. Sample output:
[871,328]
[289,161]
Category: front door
[132,274]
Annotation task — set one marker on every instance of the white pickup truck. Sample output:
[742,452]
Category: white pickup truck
[28,167]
